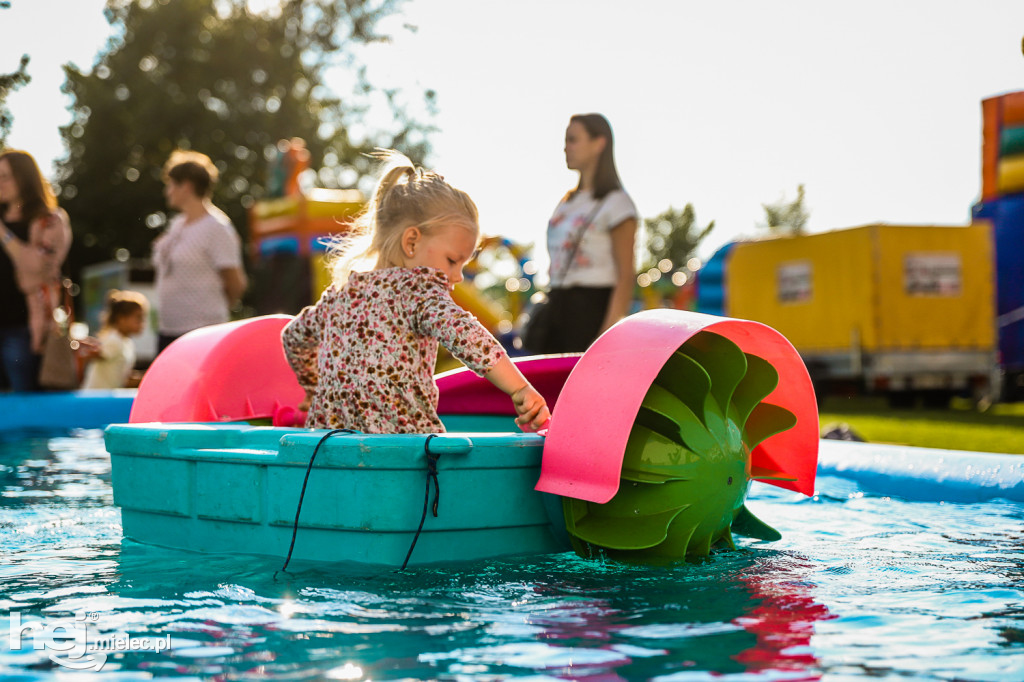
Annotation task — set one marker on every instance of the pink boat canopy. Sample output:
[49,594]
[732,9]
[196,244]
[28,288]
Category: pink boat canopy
[601,399]
[224,372]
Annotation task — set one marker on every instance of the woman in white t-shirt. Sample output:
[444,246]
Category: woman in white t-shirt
[590,239]
[198,259]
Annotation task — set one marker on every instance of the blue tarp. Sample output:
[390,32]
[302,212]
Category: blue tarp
[924,474]
[52,412]
[1007,216]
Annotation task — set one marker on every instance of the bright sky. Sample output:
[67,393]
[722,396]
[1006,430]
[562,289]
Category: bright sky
[873,105]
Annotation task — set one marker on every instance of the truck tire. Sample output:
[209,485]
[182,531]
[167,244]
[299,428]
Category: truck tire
[937,399]
[901,400]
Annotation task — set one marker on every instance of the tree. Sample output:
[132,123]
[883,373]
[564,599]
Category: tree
[674,235]
[786,217]
[10,82]
[217,77]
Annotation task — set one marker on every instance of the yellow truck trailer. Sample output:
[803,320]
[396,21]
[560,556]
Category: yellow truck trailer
[899,309]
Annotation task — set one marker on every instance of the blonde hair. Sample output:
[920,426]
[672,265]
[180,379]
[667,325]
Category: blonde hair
[406,196]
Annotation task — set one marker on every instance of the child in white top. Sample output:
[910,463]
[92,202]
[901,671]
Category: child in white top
[113,351]
[365,352]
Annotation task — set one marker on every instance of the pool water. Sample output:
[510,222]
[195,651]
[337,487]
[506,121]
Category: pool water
[860,587]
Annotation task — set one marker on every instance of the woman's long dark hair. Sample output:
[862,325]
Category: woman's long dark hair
[37,198]
[606,178]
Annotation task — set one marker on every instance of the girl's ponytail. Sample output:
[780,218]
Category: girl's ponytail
[405,195]
[397,168]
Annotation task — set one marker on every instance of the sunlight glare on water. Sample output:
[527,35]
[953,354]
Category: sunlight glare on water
[860,587]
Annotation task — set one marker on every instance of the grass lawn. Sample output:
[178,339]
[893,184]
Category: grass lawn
[1000,428]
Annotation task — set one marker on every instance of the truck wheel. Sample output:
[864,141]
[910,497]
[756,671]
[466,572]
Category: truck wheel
[936,399]
[901,400]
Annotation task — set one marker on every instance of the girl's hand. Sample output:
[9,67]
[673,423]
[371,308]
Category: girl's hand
[89,348]
[531,408]
[304,405]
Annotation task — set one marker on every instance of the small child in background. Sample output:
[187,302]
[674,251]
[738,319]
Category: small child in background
[365,352]
[112,356]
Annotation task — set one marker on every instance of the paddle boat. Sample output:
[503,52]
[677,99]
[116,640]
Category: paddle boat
[656,433]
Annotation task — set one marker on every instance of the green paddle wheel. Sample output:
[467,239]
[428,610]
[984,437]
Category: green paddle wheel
[687,464]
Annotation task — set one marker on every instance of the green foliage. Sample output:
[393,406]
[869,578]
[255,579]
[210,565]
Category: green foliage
[786,217]
[674,235]
[214,76]
[10,82]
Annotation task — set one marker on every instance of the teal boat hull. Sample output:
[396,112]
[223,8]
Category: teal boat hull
[234,488]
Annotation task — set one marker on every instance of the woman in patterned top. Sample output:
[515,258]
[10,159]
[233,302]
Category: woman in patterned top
[365,352]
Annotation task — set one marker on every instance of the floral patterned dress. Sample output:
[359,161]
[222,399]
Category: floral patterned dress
[367,351]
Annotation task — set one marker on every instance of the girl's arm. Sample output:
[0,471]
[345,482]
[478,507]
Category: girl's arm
[623,244]
[438,316]
[530,406]
[301,340]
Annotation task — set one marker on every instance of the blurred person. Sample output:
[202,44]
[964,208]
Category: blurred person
[112,352]
[590,240]
[35,235]
[198,258]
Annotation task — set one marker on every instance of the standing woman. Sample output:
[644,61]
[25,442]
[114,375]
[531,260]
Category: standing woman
[199,273]
[35,235]
[590,239]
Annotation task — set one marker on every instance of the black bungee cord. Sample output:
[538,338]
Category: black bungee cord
[431,476]
[302,494]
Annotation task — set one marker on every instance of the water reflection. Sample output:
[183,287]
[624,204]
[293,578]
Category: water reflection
[823,600]
[557,616]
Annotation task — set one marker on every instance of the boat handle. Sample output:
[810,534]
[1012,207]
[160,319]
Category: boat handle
[444,444]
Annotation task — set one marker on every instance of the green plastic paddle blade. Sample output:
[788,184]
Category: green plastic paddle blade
[686,469]
[638,517]
[762,474]
[767,420]
[722,359]
[686,380]
[722,429]
[726,541]
[674,416]
[759,381]
[745,523]
[652,458]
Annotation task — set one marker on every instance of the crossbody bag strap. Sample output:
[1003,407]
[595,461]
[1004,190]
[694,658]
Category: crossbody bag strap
[64,299]
[579,240]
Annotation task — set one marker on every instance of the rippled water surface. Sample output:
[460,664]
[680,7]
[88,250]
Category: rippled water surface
[859,587]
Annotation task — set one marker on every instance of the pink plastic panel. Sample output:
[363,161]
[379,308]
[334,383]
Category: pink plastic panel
[795,451]
[223,372]
[601,398]
[463,392]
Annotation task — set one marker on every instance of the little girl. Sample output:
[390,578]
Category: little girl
[365,353]
[113,357]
